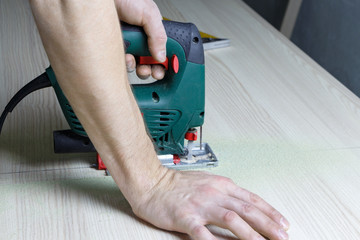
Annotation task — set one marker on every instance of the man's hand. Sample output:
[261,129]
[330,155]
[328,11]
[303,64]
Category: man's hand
[146,14]
[187,201]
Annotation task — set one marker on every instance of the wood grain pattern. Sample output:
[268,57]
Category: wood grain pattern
[280,125]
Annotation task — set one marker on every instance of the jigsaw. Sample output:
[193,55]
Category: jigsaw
[173,108]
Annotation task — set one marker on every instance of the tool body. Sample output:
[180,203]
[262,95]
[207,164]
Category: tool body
[172,108]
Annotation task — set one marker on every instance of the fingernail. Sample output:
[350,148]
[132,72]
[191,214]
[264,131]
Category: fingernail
[284,223]
[283,235]
[144,77]
[161,56]
[129,67]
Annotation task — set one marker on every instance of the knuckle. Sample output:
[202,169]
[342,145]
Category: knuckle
[158,37]
[162,42]
[195,203]
[162,36]
[256,237]
[272,227]
[228,180]
[197,230]
[152,5]
[252,234]
[275,232]
[180,214]
[275,214]
[207,190]
[222,179]
[229,217]
[150,8]
[247,208]
[254,198]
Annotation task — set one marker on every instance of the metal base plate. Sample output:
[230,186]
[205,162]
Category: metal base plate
[202,158]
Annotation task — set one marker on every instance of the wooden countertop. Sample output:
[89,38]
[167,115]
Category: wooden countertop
[280,124]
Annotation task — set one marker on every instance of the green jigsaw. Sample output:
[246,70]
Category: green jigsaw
[172,108]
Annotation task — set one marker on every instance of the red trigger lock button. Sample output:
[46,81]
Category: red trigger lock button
[175,63]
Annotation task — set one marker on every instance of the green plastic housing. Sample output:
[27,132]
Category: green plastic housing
[170,106]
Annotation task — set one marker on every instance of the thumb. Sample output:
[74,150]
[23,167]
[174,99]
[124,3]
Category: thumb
[154,29]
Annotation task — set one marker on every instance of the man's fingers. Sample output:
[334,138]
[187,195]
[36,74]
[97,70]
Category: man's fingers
[257,219]
[157,72]
[147,15]
[143,71]
[154,29]
[130,62]
[231,220]
[200,232]
[261,204]
[196,230]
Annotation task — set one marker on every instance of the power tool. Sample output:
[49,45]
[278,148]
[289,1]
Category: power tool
[172,108]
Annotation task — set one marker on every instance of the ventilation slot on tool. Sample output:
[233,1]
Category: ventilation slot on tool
[73,119]
[160,122]
[165,138]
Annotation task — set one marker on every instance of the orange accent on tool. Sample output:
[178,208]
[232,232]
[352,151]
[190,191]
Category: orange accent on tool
[101,165]
[148,60]
[191,136]
[176,159]
[175,63]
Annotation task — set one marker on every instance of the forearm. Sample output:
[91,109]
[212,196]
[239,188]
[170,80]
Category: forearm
[84,45]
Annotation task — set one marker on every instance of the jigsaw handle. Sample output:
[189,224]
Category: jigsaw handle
[185,35]
[183,48]
[181,91]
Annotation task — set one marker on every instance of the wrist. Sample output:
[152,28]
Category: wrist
[136,171]
[163,181]
[141,190]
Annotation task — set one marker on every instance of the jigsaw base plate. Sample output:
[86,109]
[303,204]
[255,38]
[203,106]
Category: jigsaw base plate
[201,158]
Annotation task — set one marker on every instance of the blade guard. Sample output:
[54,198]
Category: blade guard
[170,106]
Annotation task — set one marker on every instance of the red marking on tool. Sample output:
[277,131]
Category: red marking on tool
[191,136]
[100,163]
[176,159]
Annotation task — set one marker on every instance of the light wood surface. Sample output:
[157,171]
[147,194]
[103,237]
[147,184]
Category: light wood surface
[280,125]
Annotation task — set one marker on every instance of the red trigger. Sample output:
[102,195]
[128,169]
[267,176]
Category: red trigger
[148,60]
